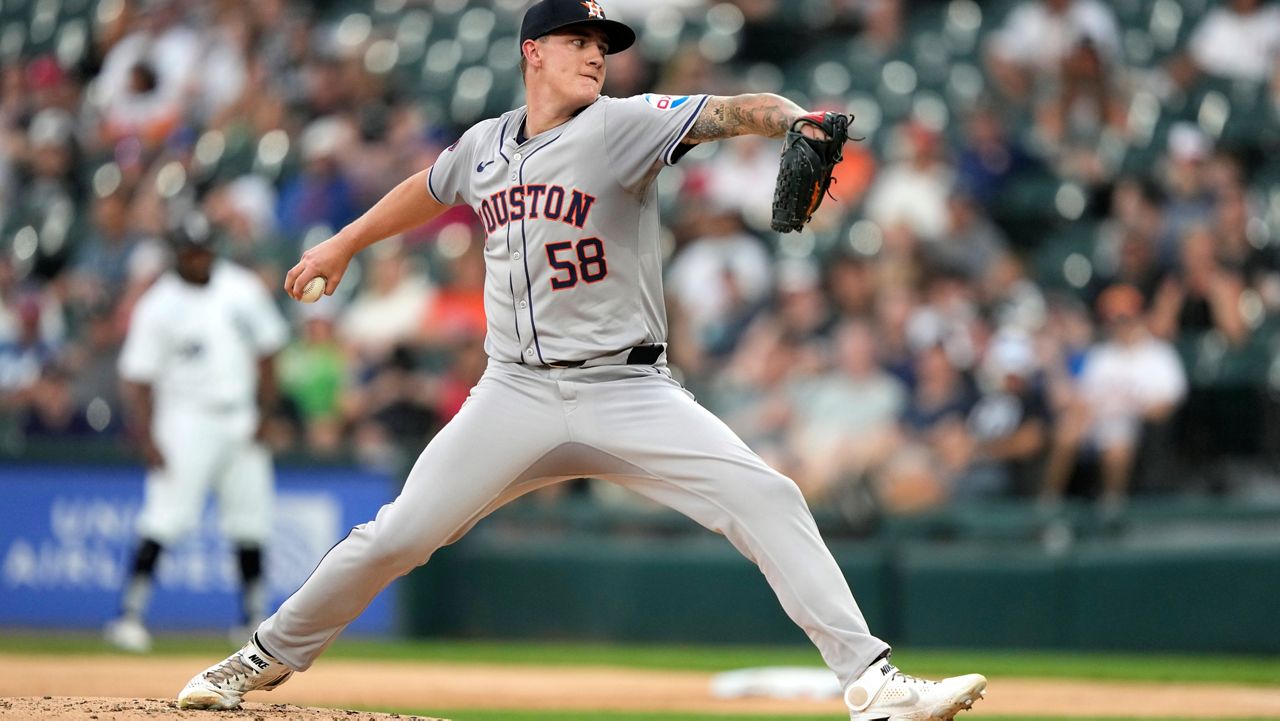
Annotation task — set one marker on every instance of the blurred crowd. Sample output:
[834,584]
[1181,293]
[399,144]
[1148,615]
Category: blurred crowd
[910,349]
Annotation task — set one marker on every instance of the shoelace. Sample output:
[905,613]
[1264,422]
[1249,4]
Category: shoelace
[908,678]
[230,669]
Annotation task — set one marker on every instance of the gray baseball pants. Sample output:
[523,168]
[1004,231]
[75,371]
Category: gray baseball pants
[524,428]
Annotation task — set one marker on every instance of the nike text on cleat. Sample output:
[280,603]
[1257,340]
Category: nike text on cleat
[224,685]
[883,693]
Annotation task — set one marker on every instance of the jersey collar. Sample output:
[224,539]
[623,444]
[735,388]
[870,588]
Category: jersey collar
[512,131]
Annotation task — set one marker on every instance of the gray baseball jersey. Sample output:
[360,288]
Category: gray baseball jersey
[573,287]
[574,268]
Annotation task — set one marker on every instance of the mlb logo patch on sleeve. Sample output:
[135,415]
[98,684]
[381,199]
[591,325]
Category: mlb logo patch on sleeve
[665,102]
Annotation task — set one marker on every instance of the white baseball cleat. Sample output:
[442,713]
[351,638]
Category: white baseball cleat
[223,685]
[883,693]
[127,634]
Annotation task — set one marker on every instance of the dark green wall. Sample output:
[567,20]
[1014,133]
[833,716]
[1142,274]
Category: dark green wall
[607,589]
[1098,595]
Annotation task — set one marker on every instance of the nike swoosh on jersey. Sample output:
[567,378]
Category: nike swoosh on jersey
[480,168]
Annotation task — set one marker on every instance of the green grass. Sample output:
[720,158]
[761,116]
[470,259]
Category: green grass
[1045,664]
[507,715]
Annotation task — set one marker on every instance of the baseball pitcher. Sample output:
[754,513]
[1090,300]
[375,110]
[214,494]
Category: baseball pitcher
[577,382]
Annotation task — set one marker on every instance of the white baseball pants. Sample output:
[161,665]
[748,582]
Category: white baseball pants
[524,428]
[206,450]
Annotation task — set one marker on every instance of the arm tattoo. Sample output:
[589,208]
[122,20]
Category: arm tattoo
[726,117]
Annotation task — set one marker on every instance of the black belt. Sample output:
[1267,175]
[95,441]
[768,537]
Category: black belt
[641,355]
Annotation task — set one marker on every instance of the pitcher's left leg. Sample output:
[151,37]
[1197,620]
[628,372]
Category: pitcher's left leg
[685,458]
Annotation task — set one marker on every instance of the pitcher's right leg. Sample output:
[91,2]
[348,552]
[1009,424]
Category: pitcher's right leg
[509,422]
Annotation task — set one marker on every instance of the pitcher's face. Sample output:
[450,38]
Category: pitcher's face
[573,62]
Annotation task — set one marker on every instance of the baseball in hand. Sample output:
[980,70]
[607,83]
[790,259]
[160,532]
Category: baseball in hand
[313,289]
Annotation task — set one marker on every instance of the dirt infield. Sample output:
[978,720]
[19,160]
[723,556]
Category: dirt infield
[393,684]
[116,709]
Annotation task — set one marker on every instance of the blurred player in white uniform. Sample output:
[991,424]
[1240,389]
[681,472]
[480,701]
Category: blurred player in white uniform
[197,369]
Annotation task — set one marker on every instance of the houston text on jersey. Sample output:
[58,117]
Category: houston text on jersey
[534,201]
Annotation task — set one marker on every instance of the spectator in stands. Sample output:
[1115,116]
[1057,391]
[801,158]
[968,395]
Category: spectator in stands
[149,259]
[1245,244]
[990,157]
[52,412]
[972,244]
[894,307]
[382,148]
[1009,298]
[804,312]
[146,77]
[313,374]
[90,360]
[466,365]
[1126,249]
[49,191]
[771,31]
[1130,382]
[101,260]
[24,357]
[749,392]
[54,82]
[948,316]
[844,418]
[1238,39]
[912,192]
[1132,262]
[1062,347]
[388,310]
[852,284]
[1008,424]
[1039,34]
[244,209]
[1201,295]
[395,411]
[320,194]
[719,278]
[740,179]
[14,110]
[629,73]
[933,438]
[1082,125]
[1188,200]
[880,23]
[454,313]
[223,59]
[17,104]
[687,71]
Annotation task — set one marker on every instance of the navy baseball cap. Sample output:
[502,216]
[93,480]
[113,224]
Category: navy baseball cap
[550,15]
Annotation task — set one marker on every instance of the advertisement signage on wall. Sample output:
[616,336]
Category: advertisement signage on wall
[67,533]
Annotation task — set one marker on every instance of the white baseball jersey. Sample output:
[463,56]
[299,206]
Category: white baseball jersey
[199,346]
[574,271]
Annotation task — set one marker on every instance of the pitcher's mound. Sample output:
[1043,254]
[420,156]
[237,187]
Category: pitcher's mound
[149,709]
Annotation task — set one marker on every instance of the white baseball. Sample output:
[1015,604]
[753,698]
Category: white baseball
[313,289]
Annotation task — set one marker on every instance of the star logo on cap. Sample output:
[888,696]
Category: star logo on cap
[593,10]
